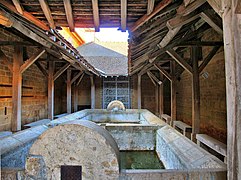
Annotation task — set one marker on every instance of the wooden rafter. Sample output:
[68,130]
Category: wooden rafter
[212,21]
[185,10]
[18,6]
[69,14]
[169,36]
[96,17]
[154,77]
[123,15]
[60,71]
[179,60]
[152,80]
[208,58]
[31,60]
[76,77]
[47,12]
[41,68]
[26,15]
[80,79]
[163,71]
[201,43]
[146,17]
[150,6]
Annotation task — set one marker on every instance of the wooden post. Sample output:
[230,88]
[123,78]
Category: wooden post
[195,95]
[68,91]
[51,90]
[173,94]
[92,92]
[232,45]
[161,105]
[17,88]
[139,91]
[157,99]
[75,97]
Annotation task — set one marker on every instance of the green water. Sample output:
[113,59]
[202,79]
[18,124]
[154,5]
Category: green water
[140,160]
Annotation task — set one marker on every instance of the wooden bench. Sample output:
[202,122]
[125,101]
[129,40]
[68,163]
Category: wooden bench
[166,118]
[212,143]
[183,126]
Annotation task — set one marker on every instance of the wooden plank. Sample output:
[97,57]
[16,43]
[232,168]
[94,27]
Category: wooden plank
[92,92]
[51,90]
[185,10]
[161,97]
[5,21]
[173,93]
[123,15]
[200,43]
[76,77]
[157,100]
[163,71]
[169,36]
[206,16]
[17,89]
[195,95]
[179,60]
[145,18]
[31,60]
[42,69]
[69,14]
[217,6]
[26,15]
[68,91]
[47,12]
[139,91]
[150,6]
[5,61]
[76,96]
[154,77]
[18,6]
[95,8]
[61,70]
[208,58]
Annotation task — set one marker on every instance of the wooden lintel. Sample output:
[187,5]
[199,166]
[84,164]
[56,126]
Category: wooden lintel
[96,17]
[42,69]
[47,12]
[179,60]
[123,15]
[5,61]
[31,60]
[18,6]
[146,17]
[163,71]
[152,80]
[210,19]
[25,15]
[60,71]
[80,79]
[76,77]
[169,36]
[69,14]
[150,6]
[208,58]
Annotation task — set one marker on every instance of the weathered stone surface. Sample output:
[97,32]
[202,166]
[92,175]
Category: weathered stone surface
[35,168]
[75,144]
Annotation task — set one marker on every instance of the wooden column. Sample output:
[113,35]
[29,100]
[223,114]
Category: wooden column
[17,88]
[139,91]
[92,92]
[51,90]
[157,99]
[68,91]
[195,95]
[161,105]
[173,93]
[75,97]
[232,46]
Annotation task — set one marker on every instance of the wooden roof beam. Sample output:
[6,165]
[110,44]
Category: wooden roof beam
[69,14]
[96,17]
[154,77]
[180,60]
[18,6]
[152,80]
[163,71]
[42,69]
[47,12]
[123,15]
[76,77]
[146,17]
[61,71]
[150,6]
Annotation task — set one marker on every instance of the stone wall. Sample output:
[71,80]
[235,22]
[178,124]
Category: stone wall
[34,86]
[212,93]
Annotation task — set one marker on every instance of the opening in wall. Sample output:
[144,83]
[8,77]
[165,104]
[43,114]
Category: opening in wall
[71,172]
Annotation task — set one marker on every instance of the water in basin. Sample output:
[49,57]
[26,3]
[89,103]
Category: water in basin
[140,160]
